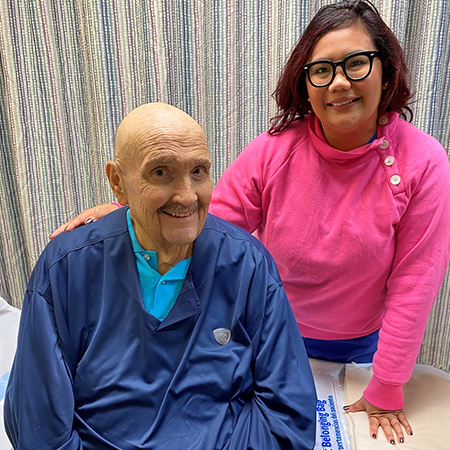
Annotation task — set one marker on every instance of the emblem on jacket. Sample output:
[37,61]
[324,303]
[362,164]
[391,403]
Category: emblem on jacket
[222,335]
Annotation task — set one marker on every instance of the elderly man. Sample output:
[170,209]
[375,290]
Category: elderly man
[159,326]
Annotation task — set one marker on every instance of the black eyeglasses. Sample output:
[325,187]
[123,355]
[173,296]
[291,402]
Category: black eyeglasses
[356,67]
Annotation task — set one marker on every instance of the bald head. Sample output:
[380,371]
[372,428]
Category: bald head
[156,125]
[162,172]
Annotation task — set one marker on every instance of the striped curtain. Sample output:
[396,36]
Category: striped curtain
[71,70]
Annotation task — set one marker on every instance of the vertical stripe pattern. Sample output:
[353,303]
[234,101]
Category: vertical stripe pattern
[71,70]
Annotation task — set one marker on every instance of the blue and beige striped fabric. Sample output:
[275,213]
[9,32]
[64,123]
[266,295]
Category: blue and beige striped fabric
[71,70]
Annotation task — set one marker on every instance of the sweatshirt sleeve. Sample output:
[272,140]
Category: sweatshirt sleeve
[420,263]
[237,196]
[282,411]
[39,402]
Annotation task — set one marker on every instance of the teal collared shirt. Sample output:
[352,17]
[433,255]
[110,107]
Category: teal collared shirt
[158,292]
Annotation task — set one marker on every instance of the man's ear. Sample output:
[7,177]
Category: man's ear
[115,178]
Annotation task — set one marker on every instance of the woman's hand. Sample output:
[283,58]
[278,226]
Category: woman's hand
[87,216]
[388,420]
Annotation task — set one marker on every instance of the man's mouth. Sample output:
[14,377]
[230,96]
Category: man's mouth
[179,213]
[344,103]
[176,210]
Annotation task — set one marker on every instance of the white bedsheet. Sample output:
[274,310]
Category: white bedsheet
[9,326]
[427,406]
[335,429]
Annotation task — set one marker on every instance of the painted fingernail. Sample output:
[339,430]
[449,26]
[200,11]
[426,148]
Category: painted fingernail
[346,408]
[89,220]
[374,436]
[411,433]
[392,442]
[402,440]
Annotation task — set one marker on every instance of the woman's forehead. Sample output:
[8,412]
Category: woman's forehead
[338,43]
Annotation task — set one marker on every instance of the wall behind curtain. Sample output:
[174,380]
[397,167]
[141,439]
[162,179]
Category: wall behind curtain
[71,70]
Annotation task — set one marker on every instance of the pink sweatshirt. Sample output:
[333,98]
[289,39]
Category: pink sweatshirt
[361,238]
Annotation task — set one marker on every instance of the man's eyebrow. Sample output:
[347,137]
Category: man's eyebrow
[160,157]
[202,161]
[169,159]
[161,160]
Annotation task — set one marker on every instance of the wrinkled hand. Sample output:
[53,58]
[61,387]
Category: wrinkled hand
[87,216]
[389,421]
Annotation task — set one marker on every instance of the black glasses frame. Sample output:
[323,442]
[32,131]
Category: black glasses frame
[335,64]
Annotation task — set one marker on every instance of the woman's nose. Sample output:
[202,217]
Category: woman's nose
[340,81]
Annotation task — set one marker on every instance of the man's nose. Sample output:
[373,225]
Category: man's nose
[185,192]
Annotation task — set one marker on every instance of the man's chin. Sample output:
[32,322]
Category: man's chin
[182,236]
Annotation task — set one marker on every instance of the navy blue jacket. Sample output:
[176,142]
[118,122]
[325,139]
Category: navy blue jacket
[95,370]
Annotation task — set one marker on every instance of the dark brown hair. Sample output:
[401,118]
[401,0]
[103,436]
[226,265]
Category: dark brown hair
[291,94]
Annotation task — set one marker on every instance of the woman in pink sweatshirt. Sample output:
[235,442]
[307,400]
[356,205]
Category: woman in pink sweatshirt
[352,201]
